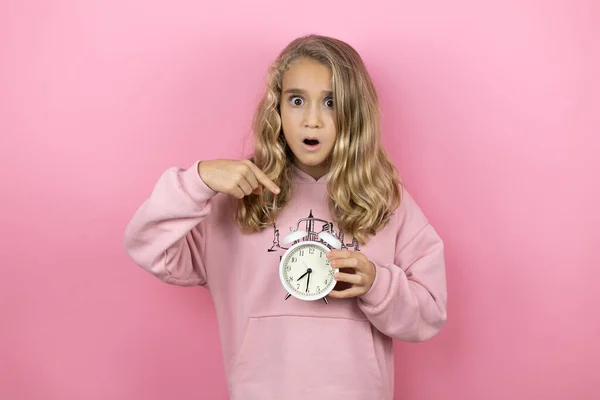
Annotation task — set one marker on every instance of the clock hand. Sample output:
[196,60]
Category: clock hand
[308,280]
[308,271]
[302,276]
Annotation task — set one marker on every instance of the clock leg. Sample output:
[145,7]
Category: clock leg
[325,300]
[288,296]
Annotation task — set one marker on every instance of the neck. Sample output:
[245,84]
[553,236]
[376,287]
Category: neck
[316,171]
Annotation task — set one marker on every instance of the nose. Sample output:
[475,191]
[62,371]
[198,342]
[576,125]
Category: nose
[313,117]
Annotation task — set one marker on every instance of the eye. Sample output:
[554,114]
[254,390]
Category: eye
[329,102]
[296,100]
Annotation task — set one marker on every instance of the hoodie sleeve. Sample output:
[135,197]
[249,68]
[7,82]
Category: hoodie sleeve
[407,300]
[166,234]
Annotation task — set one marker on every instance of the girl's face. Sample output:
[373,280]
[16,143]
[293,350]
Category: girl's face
[308,115]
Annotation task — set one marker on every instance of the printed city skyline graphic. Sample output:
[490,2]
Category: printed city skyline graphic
[313,226]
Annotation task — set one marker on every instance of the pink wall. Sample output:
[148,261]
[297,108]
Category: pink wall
[491,113]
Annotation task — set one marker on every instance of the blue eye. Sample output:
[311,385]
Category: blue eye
[296,100]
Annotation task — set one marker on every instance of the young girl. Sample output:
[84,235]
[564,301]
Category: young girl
[318,165]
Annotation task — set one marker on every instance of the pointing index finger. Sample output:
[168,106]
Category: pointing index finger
[264,179]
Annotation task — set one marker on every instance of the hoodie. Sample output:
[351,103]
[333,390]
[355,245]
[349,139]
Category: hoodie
[273,348]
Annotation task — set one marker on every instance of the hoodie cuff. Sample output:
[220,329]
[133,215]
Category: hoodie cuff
[380,288]
[195,186]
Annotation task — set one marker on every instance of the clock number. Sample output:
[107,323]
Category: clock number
[301,253]
[294,259]
[298,286]
[288,268]
[327,262]
[311,251]
[318,288]
[290,278]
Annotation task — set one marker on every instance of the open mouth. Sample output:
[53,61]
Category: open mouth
[311,142]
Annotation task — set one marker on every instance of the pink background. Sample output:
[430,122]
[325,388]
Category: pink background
[491,114]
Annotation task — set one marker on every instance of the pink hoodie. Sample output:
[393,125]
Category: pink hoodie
[277,349]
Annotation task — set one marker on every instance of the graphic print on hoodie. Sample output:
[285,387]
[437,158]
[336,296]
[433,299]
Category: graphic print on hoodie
[310,226]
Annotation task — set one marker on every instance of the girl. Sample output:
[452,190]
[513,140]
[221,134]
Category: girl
[318,165]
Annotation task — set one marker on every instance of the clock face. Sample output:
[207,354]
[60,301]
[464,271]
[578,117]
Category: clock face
[305,271]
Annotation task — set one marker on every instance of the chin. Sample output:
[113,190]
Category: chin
[312,162]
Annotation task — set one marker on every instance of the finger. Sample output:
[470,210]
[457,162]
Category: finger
[354,279]
[237,193]
[253,182]
[344,263]
[336,254]
[244,186]
[251,178]
[353,291]
[264,179]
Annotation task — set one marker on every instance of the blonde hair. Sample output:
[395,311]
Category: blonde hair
[362,183]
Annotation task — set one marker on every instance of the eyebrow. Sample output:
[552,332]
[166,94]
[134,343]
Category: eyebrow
[302,91]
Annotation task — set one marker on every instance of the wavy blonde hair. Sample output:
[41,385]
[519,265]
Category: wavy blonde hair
[362,183]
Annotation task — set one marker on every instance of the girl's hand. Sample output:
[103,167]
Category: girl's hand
[236,178]
[356,274]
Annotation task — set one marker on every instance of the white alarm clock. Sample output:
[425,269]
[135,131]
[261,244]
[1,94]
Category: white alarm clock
[304,269]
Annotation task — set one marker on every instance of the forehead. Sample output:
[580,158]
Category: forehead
[307,74]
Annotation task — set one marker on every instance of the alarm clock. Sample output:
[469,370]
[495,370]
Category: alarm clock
[304,270]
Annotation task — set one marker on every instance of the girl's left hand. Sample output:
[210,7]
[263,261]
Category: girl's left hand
[357,283]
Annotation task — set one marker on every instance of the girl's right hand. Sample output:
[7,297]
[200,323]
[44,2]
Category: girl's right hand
[238,178]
